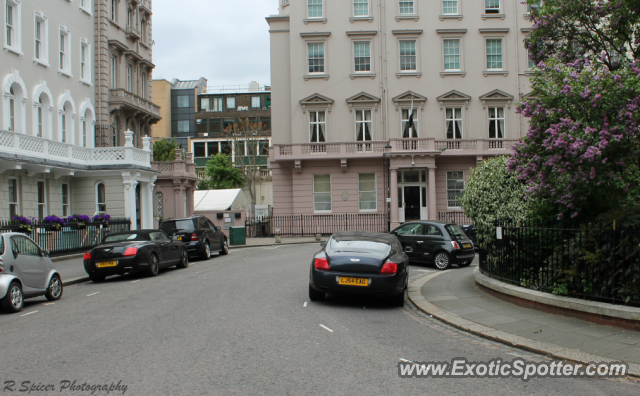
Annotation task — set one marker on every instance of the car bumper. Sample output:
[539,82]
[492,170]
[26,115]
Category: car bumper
[125,265]
[378,285]
[462,256]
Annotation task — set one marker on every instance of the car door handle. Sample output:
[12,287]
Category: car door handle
[408,249]
[419,241]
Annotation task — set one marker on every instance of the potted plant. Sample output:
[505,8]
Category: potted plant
[24,224]
[102,219]
[79,221]
[54,222]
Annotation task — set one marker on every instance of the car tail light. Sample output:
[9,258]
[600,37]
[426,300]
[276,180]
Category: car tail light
[389,268]
[455,245]
[87,256]
[321,264]
[131,251]
[194,237]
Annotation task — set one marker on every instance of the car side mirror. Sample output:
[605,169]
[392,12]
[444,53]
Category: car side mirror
[218,228]
[323,244]
[45,253]
[175,238]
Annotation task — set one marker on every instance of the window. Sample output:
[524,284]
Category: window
[42,200]
[85,5]
[532,64]
[316,57]
[65,51]
[85,57]
[183,126]
[322,193]
[318,124]
[199,149]
[204,104]
[411,132]
[494,54]
[143,31]
[213,148]
[129,78]
[25,246]
[10,26]
[159,205]
[367,196]
[496,122]
[315,8]
[113,72]
[114,10]
[454,122]
[255,102]
[64,126]
[362,56]
[39,116]
[452,55]
[12,110]
[363,125]
[65,200]
[183,101]
[491,6]
[455,186]
[450,7]
[408,58]
[216,104]
[406,7]
[101,198]
[231,102]
[13,28]
[14,196]
[360,8]
[84,132]
[143,85]
[38,39]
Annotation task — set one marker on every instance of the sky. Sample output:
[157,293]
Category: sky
[226,42]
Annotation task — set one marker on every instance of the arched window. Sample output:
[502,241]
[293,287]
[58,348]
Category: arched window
[12,110]
[39,118]
[101,201]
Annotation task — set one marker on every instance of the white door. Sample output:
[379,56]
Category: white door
[424,207]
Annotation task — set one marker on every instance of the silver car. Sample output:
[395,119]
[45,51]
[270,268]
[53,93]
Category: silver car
[26,271]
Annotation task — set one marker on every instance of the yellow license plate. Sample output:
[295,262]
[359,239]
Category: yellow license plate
[343,280]
[107,264]
[466,245]
[178,238]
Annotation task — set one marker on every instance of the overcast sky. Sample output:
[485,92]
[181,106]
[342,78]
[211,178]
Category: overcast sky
[226,42]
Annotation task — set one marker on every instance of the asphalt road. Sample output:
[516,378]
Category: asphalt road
[239,325]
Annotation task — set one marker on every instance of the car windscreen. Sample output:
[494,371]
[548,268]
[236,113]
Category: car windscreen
[352,245]
[454,230]
[170,227]
[127,237]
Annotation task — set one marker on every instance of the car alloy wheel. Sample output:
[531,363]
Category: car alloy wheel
[13,301]
[54,291]
[207,251]
[184,260]
[225,247]
[16,297]
[154,266]
[442,261]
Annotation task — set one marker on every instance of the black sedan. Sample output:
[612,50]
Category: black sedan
[434,242]
[364,263]
[134,251]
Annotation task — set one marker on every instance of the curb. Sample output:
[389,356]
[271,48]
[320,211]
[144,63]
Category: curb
[75,280]
[271,244]
[68,257]
[540,347]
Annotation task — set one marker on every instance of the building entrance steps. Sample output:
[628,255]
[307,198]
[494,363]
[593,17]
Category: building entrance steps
[454,297]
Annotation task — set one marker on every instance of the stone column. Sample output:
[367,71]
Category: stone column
[130,182]
[433,210]
[394,199]
[178,205]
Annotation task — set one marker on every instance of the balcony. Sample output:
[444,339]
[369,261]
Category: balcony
[454,147]
[134,103]
[132,33]
[175,170]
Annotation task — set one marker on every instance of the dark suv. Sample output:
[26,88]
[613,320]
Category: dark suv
[199,234]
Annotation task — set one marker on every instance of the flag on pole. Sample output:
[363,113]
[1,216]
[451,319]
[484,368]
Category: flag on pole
[408,129]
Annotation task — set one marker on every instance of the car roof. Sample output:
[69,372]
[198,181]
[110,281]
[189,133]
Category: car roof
[148,231]
[366,236]
[429,222]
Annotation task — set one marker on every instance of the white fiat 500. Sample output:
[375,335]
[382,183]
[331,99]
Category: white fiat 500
[26,271]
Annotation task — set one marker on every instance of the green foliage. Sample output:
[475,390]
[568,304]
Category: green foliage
[221,174]
[493,193]
[165,150]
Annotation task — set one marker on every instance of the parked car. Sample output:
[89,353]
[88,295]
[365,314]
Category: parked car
[26,271]
[470,231]
[442,244]
[364,263]
[199,234]
[134,251]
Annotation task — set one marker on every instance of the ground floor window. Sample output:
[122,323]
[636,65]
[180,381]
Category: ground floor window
[367,196]
[455,186]
[159,205]
[65,200]
[14,196]
[322,193]
[42,200]
[101,201]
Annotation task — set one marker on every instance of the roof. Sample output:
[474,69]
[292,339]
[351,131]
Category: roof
[365,235]
[201,84]
[211,200]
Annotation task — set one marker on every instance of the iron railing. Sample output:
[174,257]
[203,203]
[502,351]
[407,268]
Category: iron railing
[68,239]
[310,225]
[580,261]
[454,217]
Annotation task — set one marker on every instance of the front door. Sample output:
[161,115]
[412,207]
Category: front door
[412,203]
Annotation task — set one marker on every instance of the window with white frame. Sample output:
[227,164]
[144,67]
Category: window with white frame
[83,125]
[113,72]
[494,54]
[85,60]
[408,58]
[12,109]
[316,57]
[39,117]
[65,51]
[453,122]
[255,102]
[216,104]
[362,56]
[129,78]
[451,55]
[322,193]
[455,187]
[42,200]
[204,104]
[65,200]
[41,39]
[63,121]
[143,85]
[532,64]
[14,198]
[496,122]
[13,28]
[231,102]
[360,8]
[450,7]
[363,125]
[491,6]
[406,7]
[314,8]
[101,198]
[409,132]
[367,192]
[85,5]
[317,126]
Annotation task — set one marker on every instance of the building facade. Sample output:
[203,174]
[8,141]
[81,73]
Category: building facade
[386,105]
[162,97]
[182,121]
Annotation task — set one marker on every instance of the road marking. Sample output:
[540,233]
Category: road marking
[326,328]
[305,304]
[422,270]
[93,294]
[136,281]
[29,313]
[48,304]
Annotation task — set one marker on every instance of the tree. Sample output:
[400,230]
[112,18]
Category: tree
[221,174]
[253,137]
[569,30]
[165,150]
[493,193]
[581,154]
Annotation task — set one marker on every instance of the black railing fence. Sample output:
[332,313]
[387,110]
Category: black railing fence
[309,225]
[454,217]
[579,261]
[68,239]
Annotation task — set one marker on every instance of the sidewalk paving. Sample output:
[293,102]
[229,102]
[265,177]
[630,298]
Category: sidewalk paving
[456,292]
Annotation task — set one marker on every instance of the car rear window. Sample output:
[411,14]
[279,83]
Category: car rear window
[127,237]
[169,227]
[454,230]
[1,244]
[357,245]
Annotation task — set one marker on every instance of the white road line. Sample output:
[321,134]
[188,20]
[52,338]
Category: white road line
[326,328]
[29,313]
[49,304]
[136,281]
[93,294]
[305,304]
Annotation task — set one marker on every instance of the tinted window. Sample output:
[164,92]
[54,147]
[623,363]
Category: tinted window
[211,225]
[160,236]
[172,226]
[454,230]
[127,237]
[432,230]
[410,229]
[26,246]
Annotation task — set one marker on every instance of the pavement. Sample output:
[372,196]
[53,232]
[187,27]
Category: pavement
[455,292]
[242,324]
